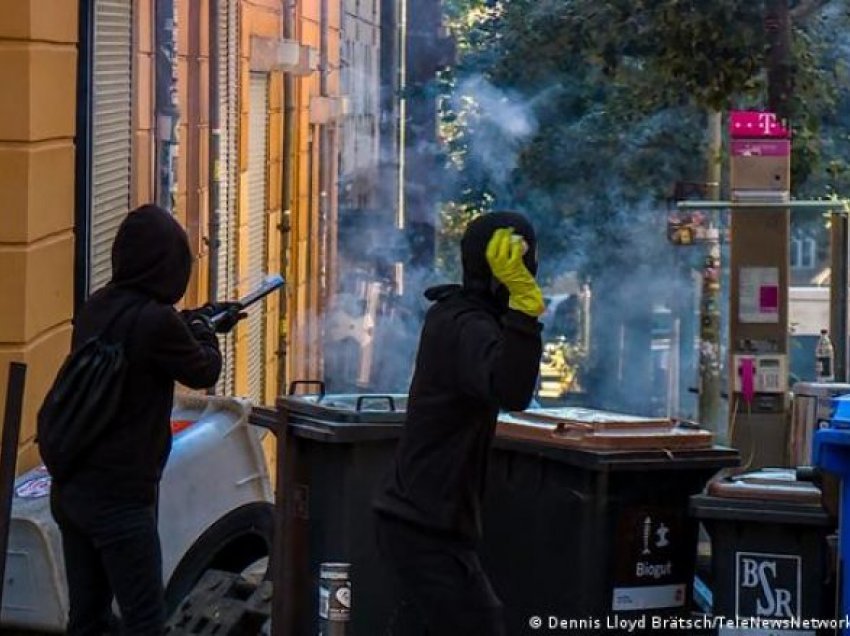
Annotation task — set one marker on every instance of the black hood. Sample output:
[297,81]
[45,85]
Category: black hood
[151,254]
[473,249]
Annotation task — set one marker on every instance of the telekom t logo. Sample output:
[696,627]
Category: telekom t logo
[767,121]
[746,124]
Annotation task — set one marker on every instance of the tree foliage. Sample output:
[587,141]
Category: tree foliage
[617,93]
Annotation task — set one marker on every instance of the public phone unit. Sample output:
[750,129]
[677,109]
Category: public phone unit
[770,372]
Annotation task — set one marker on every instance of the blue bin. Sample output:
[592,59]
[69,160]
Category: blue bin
[840,412]
[831,453]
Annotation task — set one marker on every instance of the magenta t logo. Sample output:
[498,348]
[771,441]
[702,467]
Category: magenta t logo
[749,124]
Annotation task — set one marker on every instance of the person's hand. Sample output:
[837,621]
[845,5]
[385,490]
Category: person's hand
[230,318]
[226,314]
[199,324]
[504,255]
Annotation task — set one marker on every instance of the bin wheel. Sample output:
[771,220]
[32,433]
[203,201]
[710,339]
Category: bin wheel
[237,540]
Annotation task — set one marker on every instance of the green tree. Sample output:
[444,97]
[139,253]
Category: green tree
[619,90]
[618,93]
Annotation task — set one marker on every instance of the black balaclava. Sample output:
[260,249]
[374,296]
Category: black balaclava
[151,254]
[477,276]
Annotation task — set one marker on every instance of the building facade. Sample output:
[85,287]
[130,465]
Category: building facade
[111,108]
[38,68]
[263,125]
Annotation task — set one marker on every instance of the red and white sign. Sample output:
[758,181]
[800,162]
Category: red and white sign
[749,124]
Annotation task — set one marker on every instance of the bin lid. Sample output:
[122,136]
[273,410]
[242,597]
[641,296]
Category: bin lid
[776,484]
[349,417]
[841,412]
[769,495]
[592,429]
[819,389]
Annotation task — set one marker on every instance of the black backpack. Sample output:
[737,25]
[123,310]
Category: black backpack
[83,399]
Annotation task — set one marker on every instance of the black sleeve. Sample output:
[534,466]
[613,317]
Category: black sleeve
[192,359]
[499,363]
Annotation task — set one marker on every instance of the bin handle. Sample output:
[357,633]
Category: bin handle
[363,398]
[296,383]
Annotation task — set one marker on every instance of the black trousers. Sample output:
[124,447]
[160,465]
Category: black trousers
[111,550]
[445,589]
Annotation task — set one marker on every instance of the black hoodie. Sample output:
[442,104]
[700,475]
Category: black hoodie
[476,356]
[151,264]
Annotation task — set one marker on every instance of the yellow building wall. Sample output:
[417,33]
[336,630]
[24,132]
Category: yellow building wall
[260,18]
[142,168]
[310,245]
[38,66]
[303,299]
[192,205]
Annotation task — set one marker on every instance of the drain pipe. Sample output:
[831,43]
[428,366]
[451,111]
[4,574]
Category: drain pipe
[288,157]
[215,151]
[83,158]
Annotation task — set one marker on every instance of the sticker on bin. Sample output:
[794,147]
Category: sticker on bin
[651,566]
[627,599]
[768,586]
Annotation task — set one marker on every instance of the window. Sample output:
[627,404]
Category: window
[809,253]
[803,252]
[111,133]
[257,230]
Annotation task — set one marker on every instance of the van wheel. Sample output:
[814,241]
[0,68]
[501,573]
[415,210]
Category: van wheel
[233,543]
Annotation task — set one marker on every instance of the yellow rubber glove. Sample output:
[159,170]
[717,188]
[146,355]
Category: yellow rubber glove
[504,256]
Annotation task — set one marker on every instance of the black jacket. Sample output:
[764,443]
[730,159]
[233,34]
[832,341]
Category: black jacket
[475,357]
[151,264]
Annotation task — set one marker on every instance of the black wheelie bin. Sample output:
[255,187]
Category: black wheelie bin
[337,449]
[586,526]
[770,551]
[585,514]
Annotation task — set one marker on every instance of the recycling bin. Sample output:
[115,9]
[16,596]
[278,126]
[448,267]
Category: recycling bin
[770,553]
[586,524]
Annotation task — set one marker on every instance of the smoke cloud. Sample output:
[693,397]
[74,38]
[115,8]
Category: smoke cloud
[498,124]
[597,220]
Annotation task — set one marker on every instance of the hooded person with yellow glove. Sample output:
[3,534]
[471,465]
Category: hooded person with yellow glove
[479,352]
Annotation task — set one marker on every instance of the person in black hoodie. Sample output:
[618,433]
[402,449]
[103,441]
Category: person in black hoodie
[479,352]
[106,508]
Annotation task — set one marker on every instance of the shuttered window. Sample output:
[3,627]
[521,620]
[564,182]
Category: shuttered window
[228,78]
[111,128]
[257,229]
